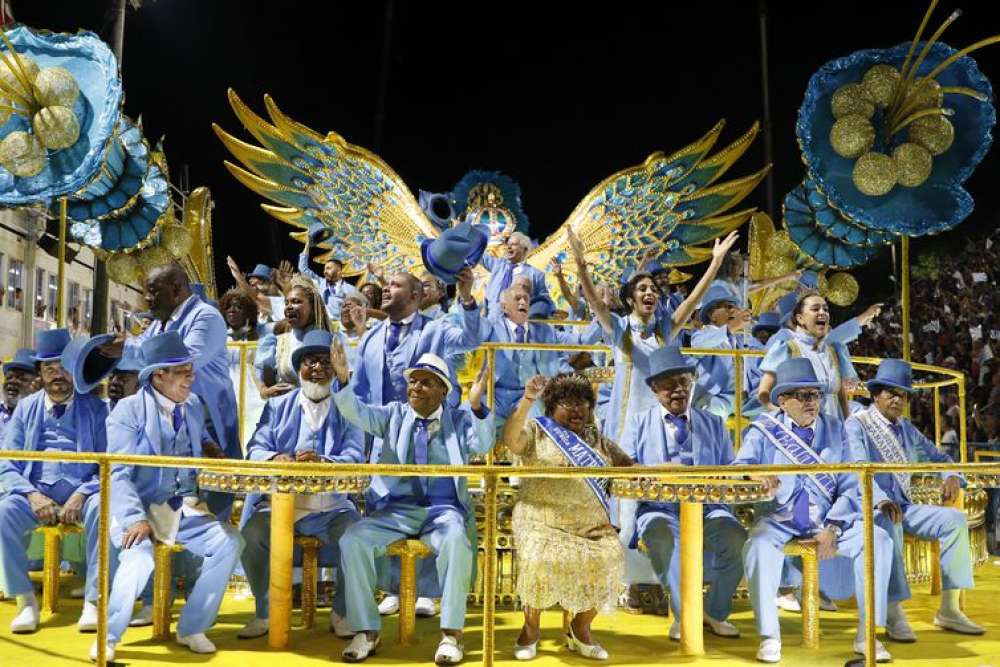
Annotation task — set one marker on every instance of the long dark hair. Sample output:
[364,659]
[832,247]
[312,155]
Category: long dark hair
[626,291]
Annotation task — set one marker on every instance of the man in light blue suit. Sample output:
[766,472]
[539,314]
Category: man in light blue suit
[673,432]
[438,510]
[302,425]
[58,419]
[18,375]
[819,506]
[165,418]
[504,269]
[878,434]
[333,289]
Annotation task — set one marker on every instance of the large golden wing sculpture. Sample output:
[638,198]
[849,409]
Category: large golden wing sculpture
[324,180]
[668,203]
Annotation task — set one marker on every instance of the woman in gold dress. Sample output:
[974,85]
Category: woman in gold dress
[568,553]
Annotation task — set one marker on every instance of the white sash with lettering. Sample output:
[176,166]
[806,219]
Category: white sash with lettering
[888,445]
[792,446]
[580,454]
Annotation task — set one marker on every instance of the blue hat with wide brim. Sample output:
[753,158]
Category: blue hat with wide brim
[163,351]
[49,345]
[769,321]
[262,272]
[892,373]
[792,374]
[318,233]
[316,341]
[786,306]
[23,360]
[716,294]
[131,361]
[457,248]
[82,359]
[666,361]
[541,308]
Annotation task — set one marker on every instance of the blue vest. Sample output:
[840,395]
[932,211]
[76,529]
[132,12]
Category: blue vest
[58,435]
[175,481]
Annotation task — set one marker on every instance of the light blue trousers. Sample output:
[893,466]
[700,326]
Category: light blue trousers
[724,538]
[328,526]
[365,543]
[930,523]
[763,558]
[218,544]
[17,522]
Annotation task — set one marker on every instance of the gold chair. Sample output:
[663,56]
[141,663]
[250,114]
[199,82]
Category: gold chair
[163,582]
[310,571]
[806,549]
[408,551]
[50,563]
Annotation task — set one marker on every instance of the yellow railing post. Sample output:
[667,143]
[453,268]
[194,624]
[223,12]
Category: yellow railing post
[103,560]
[738,400]
[937,417]
[868,514]
[962,435]
[489,567]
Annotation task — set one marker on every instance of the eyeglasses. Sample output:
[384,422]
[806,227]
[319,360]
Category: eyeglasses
[318,362]
[896,393]
[805,396]
[573,406]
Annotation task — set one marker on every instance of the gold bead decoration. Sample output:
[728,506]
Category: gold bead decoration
[842,289]
[781,243]
[5,113]
[55,86]
[56,127]
[880,83]
[852,135]
[152,257]
[124,269]
[874,174]
[12,80]
[925,95]
[21,154]
[935,133]
[913,164]
[822,284]
[852,99]
[176,239]
[778,265]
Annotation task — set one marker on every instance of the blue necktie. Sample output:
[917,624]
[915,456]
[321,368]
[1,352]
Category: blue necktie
[508,278]
[800,510]
[394,330]
[804,432]
[178,419]
[421,440]
[519,333]
[59,409]
[680,423]
[898,431]
[175,502]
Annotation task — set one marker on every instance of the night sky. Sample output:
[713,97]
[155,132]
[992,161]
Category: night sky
[555,96]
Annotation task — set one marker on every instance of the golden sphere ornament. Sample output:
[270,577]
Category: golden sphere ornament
[852,99]
[925,95]
[852,135]
[56,127]
[56,87]
[822,283]
[176,239]
[874,174]
[935,133]
[913,164]
[22,155]
[123,268]
[778,265]
[880,83]
[842,289]
[12,79]
[781,243]
[153,257]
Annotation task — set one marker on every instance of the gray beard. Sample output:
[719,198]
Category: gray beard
[315,391]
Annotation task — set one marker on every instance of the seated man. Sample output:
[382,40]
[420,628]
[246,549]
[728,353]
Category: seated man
[818,506]
[436,509]
[302,425]
[124,379]
[56,419]
[878,434]
[165,419]
[674,432]
[18,375]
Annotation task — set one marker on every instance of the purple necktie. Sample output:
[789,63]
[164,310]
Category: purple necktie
[59,409]
[519,333]
[420,442]
[680,423]
[394,330]
[177,419]
[800,510]
[805,433]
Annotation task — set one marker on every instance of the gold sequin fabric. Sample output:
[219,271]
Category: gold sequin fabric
[568,554]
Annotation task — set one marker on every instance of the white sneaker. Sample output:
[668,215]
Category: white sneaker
[88,618]
[721,628]
[881,654]
[109,652]
[449,651]
[388,606]
[788,603]
[425,607]
[769,650]
[143,617]
[258,627]
[197,642]
[26,619]
[339,626]
[675,631]
[360,648]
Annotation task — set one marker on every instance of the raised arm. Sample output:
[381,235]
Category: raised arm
[304,265]
[597,307]
[683,312]
[515,435]
[569,294]
[373,419]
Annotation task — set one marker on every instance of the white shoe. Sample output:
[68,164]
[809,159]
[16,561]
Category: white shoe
[769,650]
[425,607]
[143,617]
[389,605]
[197,642]
[449,651]
[721,628]
[788,603]
[88,618]
[526,652]
[26,619]
[339,626]
[78,593]
[881,654]
[898,629]
[109,652]
[827,605]
[595,651]
[675,631]
[258,627]
[360,648]
[956,621]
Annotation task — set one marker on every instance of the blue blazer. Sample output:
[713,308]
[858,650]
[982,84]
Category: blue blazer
[134,428]
[500,269]
[917,448]
[439,337]
[830,442]
[24,432]
[204,332]
[464,434]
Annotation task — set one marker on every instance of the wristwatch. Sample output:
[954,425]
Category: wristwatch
[835,527]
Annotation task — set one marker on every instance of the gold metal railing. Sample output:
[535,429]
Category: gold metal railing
[490,474]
